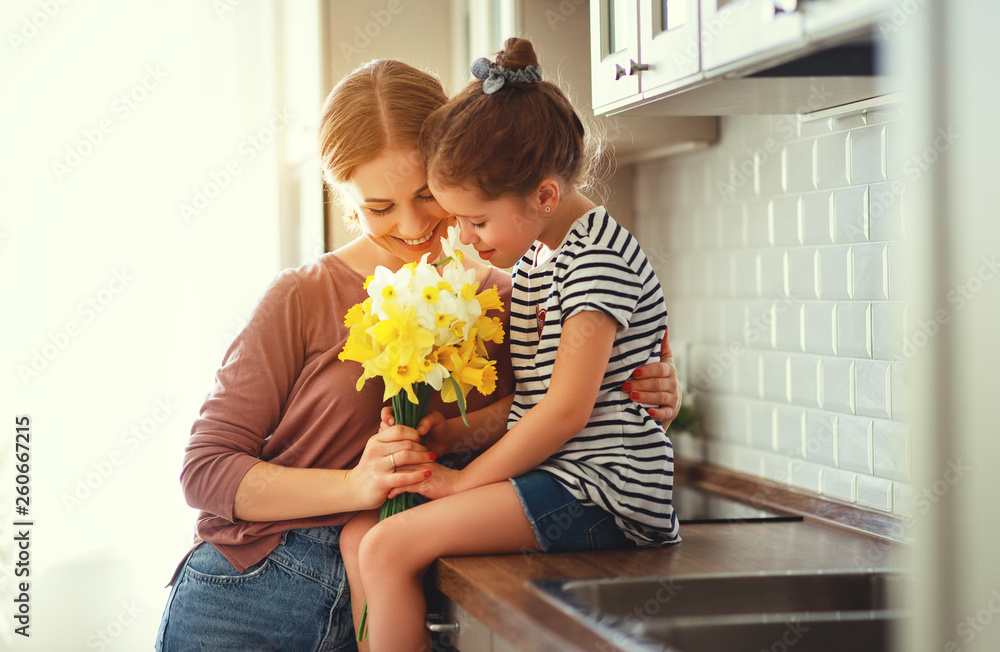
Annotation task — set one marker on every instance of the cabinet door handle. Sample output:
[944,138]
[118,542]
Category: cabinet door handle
[442,627]
[634,67]
[619,72]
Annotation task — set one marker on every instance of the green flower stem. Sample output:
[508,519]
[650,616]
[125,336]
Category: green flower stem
[409,414]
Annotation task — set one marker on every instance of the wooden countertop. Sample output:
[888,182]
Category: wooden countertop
[493,590]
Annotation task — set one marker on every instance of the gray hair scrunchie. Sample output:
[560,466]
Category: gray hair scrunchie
[494,76]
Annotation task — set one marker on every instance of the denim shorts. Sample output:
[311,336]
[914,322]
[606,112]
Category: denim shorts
[296,599]
[561,522]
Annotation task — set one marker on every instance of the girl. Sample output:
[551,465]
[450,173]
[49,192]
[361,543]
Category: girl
[505,157]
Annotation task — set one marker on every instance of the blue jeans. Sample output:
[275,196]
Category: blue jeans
[296,599]
[561,522]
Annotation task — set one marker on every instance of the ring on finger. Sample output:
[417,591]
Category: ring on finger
[392,458]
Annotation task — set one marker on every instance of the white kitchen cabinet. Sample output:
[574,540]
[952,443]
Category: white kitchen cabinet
[825,18]
[736,32]
[614,51]
[669,44]
[642,47]
[460,631]
[723,57]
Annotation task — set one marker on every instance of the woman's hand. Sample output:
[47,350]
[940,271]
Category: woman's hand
[440,481]
[392,461]
[433,427]
[656,384]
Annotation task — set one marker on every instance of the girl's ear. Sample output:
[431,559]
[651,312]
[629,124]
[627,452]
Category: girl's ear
[547,196]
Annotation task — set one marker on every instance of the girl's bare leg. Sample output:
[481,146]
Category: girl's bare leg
[396,553]
[350,541]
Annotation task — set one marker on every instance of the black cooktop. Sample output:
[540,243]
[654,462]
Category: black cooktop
[694,505]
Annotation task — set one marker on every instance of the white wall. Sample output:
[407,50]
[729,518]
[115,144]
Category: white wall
[117,305]
[780,251]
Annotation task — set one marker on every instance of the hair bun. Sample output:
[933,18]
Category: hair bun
[517,53]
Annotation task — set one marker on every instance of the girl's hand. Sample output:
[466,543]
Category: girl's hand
[433,427]
[393,460]
[441,482]
[656,384]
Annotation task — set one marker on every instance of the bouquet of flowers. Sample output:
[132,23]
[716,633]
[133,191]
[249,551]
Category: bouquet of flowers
[424,329]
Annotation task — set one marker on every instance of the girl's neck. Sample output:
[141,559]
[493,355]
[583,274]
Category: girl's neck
[572,206]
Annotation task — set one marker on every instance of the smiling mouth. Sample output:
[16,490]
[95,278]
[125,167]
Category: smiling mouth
[419,241]
[422,240]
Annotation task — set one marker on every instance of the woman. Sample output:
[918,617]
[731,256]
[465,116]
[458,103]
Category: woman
[283,452]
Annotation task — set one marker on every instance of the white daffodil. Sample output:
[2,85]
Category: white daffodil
[389,285]
[449,245]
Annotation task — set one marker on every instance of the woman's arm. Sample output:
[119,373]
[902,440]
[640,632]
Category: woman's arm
[656,384]
[269,492]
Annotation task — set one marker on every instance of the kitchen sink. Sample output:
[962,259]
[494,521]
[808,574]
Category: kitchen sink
[815,611]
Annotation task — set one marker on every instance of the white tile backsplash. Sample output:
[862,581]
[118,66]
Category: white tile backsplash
[788,326]
[784,212]
[850,211]
[874,492]
[773,273]
[835,272]
[830,159]
[815,218]
[868,154]
[840,484]
[888,329]
[802,263]
[871,273]
[821,327]
[854,335]
[838,385]
[805,373]
[774,374]
[797,164]
[758,224]
[872,388]
[807,476]
[790,431]
[854,443]
[783,270]
[762,426]
[821,437]
[890,440]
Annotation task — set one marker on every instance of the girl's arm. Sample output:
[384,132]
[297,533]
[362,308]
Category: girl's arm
[581,361]
[444,436]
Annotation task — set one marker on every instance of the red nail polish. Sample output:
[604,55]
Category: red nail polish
[627,387]
[427,474]
[638,373]
[433,457]
[634,396]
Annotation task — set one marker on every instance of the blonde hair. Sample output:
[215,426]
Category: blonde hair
[380,105]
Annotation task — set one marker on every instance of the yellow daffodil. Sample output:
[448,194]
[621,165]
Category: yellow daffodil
[490,300]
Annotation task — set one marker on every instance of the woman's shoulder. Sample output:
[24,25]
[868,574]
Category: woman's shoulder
[498,277]
[316,283]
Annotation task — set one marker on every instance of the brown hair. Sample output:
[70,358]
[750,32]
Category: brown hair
[505,143]
[380,105]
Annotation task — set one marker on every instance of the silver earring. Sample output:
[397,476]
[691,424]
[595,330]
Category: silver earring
[548,209]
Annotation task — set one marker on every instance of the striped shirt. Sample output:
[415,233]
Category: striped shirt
[622,461]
